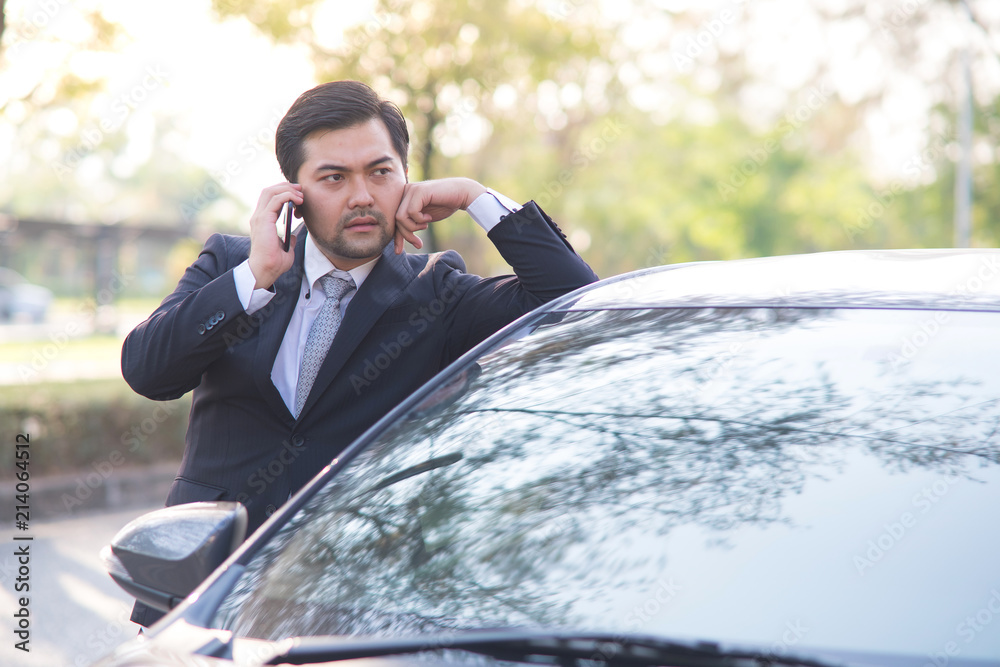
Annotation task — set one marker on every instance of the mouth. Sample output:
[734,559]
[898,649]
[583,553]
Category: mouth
[363,223]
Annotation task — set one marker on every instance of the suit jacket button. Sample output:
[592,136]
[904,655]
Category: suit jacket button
[270,509]
[201,329]
[220,315]
[298,440]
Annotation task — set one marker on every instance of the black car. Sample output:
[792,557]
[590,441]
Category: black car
[791,460]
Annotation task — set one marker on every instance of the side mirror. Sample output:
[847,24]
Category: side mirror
[162,556]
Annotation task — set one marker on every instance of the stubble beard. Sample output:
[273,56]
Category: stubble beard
[357,249]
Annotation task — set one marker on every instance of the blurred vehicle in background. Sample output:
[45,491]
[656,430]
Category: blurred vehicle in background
[21,300]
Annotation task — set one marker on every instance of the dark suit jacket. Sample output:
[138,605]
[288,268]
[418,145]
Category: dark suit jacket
[413,315]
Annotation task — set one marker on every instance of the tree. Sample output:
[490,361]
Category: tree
[466,74]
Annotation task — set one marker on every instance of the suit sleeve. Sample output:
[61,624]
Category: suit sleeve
[164,357]
[545,267]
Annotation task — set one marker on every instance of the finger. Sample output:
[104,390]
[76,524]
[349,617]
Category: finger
[416,211]
[415,201]
[409,219]
[402,215]
[272,199]
[410,236]
[294,195]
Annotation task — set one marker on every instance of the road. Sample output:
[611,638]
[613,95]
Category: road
[77,613]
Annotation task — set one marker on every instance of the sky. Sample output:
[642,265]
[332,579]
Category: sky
[223,84]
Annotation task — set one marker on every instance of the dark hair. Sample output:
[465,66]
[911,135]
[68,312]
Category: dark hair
[334,106]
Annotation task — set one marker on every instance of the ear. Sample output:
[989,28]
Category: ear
[296,212]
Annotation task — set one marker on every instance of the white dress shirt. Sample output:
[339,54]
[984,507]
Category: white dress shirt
[487,210]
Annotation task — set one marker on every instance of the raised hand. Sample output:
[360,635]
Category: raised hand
[268,259]
[425,202]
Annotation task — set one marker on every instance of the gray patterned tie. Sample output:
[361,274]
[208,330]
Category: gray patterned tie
[321,334]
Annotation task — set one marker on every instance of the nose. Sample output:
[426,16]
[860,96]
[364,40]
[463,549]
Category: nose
[360,195]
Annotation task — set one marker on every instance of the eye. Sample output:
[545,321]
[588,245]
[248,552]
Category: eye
[333,177]
[383,171]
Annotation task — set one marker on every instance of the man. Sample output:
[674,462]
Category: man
[246,328]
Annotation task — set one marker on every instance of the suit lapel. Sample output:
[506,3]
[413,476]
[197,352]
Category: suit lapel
[274,322]
[380,289]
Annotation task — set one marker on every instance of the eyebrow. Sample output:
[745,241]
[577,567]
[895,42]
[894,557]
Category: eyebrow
[336,167]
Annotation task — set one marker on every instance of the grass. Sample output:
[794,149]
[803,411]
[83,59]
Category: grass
[88,348]
[66,393]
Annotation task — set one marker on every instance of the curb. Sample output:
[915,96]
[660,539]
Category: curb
[73,494]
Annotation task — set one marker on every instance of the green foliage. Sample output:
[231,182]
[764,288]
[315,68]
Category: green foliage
[536,99]
[285,21]
[630,191]
[82,152]
[73,425]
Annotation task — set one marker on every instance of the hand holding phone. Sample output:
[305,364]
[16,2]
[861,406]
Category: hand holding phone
[268,260]
[285,225]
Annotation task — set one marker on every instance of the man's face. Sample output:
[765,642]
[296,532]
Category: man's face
[352,182]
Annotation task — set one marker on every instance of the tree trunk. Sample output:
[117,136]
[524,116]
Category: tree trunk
[430,122]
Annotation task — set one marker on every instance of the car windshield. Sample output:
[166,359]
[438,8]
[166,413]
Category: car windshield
[788,478]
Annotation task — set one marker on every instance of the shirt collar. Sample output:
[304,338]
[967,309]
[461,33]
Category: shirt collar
[318,265]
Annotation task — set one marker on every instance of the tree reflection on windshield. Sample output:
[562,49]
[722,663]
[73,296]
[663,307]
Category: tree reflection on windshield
[557,475]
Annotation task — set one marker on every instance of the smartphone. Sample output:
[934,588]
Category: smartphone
[285,225]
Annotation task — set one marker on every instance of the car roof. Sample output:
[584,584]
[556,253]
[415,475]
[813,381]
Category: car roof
[949,279]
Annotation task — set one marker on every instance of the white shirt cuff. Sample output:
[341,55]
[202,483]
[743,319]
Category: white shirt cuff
[252,299]
[490,207]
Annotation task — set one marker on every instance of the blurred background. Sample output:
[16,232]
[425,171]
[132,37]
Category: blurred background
[654,131]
